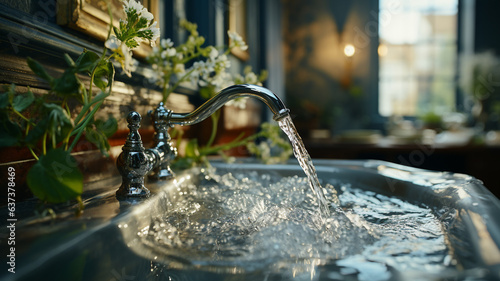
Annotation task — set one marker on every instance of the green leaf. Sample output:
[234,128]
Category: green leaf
[207,92]
[59,123]
[7,97]
[99,133]
[10,132]
[22,101]
[104,75]
[146,34]
[132,43]
[86,61]
[36,133]
[69,61]
[142,23]
[39,70]
[117,31]
[99,139]
[55,178]
[67,84]
[4,100]
[183,163]
[108,127]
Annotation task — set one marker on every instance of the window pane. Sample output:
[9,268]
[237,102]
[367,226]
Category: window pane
[418,61]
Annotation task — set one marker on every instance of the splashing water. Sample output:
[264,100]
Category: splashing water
[241,221]
[305,161]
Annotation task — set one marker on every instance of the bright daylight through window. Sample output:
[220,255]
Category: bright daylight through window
[418,56]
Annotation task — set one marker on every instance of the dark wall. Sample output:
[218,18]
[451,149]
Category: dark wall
[324,89]
[487,22]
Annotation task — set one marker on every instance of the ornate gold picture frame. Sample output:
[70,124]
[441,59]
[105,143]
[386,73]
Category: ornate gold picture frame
[91,17]
[238,24]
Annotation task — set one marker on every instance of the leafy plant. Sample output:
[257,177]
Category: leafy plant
[205,67]
[43,123]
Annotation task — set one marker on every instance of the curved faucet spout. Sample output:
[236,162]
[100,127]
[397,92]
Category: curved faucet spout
[246,90]
[135,161]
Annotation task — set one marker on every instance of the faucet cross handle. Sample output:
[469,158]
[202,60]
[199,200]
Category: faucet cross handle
[163,146]
[159,117]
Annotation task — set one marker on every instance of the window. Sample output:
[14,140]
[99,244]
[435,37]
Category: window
[417,56]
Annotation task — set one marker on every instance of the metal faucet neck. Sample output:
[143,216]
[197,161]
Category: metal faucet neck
[272,101]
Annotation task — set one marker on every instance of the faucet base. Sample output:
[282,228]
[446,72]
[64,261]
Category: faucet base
[133,191]
[163,173]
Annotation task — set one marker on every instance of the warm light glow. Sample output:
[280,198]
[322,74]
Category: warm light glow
[382,50]
[349,50]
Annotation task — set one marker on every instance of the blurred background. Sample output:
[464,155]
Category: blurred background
[411,82]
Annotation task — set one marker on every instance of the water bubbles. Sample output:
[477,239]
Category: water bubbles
[253,221]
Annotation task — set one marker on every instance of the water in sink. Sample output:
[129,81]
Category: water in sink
[249,221]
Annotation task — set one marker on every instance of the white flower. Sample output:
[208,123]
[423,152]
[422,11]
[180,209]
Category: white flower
[213,53]
[129,64]
[113,43]
[222,80]
[138,40]
[223,62]
[145,14]
[251,78]
[132,5]
[240,103]
[202,83]
[198,66]
[179,69]
[166,43]
[156,33]
[171,52]
[153,75]
[194,77]
[236,41]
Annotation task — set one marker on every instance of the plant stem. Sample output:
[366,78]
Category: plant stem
[215,124]
[209,150]
[110,14]
[22,116]
[33,153]
[29,147]
[89,96]
[87,107]
[84,125]
[168,91]
[44,143]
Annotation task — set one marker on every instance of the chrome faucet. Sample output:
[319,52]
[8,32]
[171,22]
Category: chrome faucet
[135,162]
